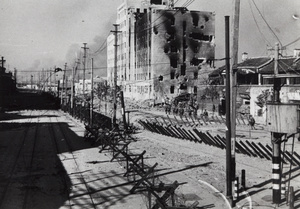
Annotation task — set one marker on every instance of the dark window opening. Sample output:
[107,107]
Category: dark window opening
[173,62]
[155,30]
[200,36]
[172,88]
[172,74]
[195,75]
[195,89]
[183,69]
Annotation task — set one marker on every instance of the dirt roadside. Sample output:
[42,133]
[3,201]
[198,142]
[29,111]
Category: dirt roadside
[91,181]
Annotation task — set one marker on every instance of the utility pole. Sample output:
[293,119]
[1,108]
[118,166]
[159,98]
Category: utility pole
[72,89]
[233,84]
[92,93]
[84,62]
[114,119]
[63,85]
[276,137]
[229,164]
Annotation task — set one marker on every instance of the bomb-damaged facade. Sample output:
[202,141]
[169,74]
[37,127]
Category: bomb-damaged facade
[166,51]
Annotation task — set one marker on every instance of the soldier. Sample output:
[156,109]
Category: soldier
[251,121]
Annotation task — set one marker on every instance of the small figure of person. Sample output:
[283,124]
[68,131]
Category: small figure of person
[205,114]
[213,109]
[251,122]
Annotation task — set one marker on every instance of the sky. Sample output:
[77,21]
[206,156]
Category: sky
[41,34]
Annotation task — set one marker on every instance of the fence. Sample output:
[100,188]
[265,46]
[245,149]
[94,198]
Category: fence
[142,176]
[250,148]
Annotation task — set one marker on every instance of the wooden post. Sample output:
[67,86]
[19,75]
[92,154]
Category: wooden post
[276,137]
[291,198]
[228,123]
[243,179]
[233,81]
[123,110]
[92,93]
[114,118]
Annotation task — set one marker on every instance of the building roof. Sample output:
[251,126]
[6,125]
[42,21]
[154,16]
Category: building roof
[254,63]
[264,65]
[286,65]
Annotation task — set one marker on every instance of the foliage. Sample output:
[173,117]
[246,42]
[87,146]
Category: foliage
[262,98]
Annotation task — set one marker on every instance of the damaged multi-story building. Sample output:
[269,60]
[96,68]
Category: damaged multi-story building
[161,49]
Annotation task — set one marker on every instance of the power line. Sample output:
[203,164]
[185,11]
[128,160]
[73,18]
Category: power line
[267,23]
[292,42]
[289,67]
[100,49]
[257,24]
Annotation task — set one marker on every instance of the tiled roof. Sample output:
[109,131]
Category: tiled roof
[254,62]
[265,65]
[287,65]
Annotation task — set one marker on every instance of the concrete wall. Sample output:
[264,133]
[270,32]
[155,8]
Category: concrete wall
[287,94]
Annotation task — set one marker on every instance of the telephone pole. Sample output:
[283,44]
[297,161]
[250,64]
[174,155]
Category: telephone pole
[84,62]
[228,116]
[276,137]
[63,85]
[72,89]
[233,84]
[92,93]
[114,119]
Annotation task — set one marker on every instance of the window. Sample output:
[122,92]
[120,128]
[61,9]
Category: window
[172,74]
[173,62]
[172,89]
[196,75]
[183,68]
[195,89]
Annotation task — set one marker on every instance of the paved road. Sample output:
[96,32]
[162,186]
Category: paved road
[45,163]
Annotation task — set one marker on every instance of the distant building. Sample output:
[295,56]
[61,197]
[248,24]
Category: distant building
[255,78]
[259,71]
[161,49]
[88,85]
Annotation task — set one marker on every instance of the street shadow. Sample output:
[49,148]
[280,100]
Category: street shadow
[257,188]
[34,175]
[113,191]
[17,116]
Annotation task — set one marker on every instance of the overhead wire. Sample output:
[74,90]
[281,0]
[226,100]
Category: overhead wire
[267,23]
[289,67]
[102,47]
[256,23]
[296,40]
